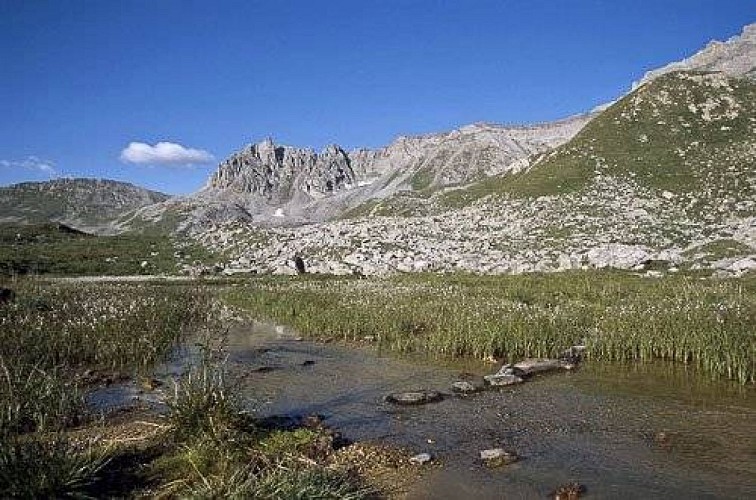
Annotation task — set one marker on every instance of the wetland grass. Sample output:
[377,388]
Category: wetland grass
[706,323]
[51,337]
[55,336]
[220,452]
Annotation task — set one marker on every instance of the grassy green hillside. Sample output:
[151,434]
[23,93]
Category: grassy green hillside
[684,133]
[83,203]
[52,248]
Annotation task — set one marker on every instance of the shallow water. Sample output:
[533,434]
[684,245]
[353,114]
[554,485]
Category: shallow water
[599,425]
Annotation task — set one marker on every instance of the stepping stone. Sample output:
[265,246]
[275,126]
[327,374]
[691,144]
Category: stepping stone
[414,398]
[496,457]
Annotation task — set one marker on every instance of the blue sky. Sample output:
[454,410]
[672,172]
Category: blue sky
[81,80]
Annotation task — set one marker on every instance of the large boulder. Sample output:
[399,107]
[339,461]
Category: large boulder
[618,256]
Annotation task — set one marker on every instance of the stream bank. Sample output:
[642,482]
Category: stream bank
[629,431]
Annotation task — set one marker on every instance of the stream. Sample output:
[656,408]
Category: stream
[624,431]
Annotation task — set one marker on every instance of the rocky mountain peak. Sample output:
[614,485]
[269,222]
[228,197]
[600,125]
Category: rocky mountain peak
[734,57]
[276,174]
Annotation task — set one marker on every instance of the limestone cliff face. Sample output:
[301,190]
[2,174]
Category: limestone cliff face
[278,173]
[303,181]
[466,154]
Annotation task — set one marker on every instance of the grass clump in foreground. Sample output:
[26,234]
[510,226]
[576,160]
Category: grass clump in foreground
[52,338]
[49,467]
[219,452]
[619,316]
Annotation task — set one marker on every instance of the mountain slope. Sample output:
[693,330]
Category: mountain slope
[734,57]
[86,204]
[667,174]
[684,132]
[282,185]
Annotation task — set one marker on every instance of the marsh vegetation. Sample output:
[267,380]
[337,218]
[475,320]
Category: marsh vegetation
[58,341]
[707,324]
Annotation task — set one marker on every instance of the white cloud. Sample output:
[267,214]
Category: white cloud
[164,153]
[32,163]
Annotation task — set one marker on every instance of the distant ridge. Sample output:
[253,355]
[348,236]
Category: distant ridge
[90,205]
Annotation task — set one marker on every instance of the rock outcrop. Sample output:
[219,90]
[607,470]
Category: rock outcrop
[279,174]
[283,185]
[734,57]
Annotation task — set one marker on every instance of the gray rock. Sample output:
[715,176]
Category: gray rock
[533,366]
[618,256]
[421,459]
[276,173]
[414,398]
[496,457]
[466,387]
[502,379]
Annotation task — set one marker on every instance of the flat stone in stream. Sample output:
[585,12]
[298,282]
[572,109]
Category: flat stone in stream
[496,457]
[466,387]
[503,379]
[414,398]
[532,366]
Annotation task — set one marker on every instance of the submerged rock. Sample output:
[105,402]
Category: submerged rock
[412,398]
[569,491]
[497,457]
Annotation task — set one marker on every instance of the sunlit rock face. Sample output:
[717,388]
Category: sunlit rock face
[276,173]
[734,57]
[286,185]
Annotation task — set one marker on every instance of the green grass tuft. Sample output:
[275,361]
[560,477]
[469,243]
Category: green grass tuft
[52,467]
